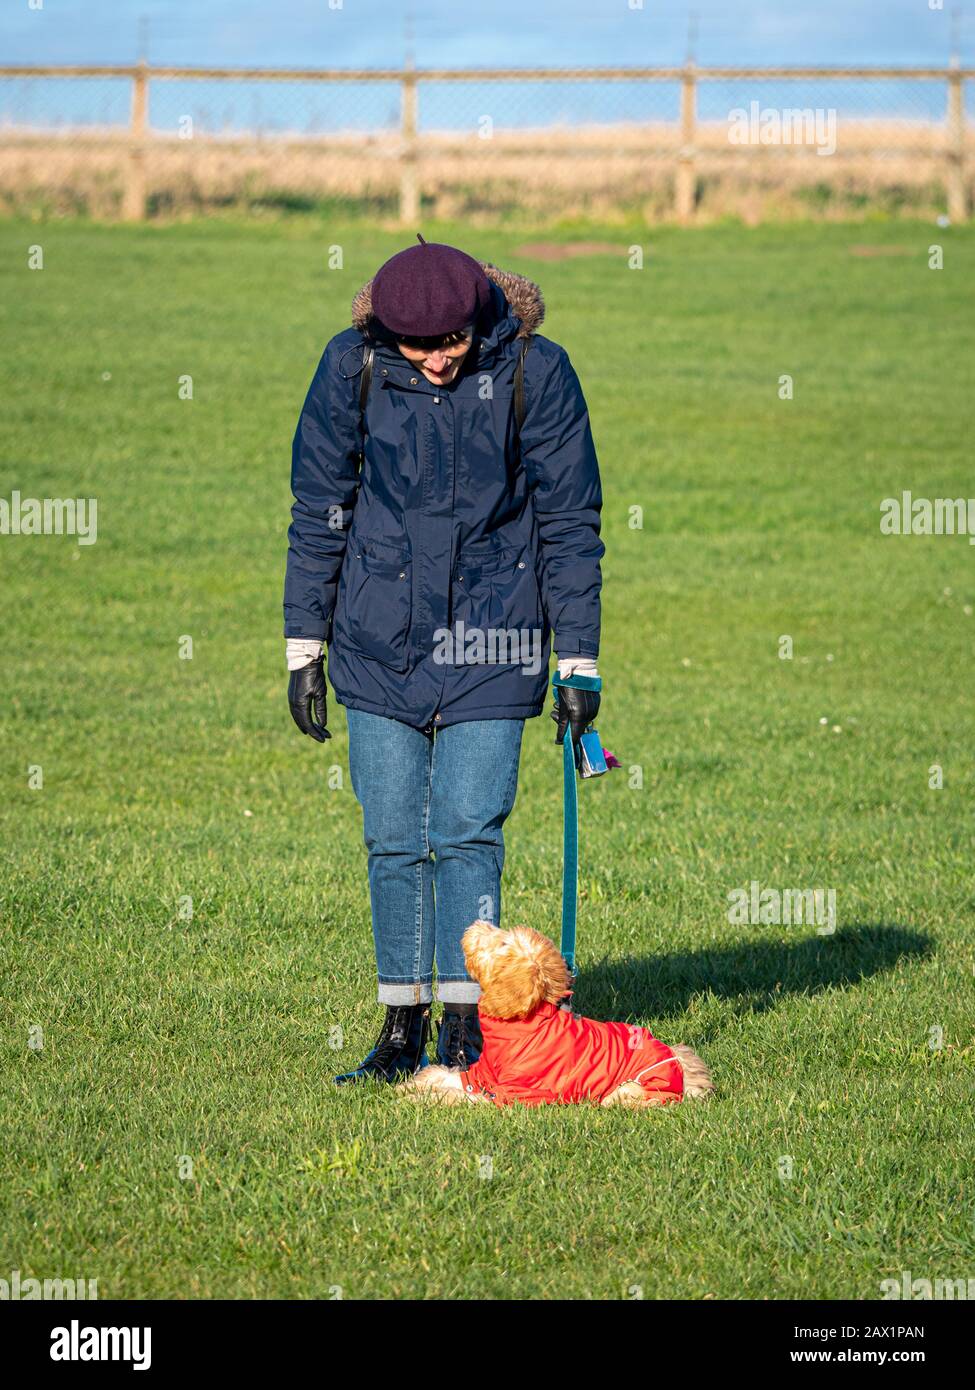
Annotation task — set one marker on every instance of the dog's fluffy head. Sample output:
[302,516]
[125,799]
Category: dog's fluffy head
[517,970]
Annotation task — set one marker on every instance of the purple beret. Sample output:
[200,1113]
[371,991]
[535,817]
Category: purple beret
[428,290]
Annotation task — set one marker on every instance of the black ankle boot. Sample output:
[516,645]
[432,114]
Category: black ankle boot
[400,1049]
[459,1040]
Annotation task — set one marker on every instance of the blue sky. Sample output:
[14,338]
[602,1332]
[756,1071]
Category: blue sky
[370,33]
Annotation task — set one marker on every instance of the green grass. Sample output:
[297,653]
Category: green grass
[162,777]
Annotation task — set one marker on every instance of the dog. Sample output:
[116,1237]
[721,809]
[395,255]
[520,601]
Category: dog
[537,1053]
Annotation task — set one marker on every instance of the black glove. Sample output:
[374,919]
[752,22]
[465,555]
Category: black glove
[306,696]
[574,710]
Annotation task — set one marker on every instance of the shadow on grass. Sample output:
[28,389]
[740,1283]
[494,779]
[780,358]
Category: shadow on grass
[755,976]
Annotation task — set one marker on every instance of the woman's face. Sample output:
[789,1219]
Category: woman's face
[438,359]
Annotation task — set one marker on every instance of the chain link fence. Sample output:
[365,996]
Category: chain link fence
[684,143]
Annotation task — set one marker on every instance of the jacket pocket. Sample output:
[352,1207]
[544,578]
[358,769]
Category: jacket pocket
[495,594]
[379,600]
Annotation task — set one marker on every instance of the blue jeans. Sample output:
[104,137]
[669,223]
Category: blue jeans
[433,808]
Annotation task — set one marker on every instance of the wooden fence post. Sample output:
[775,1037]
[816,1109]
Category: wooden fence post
[685,183]
[134,195]
[409,193]
[955,171]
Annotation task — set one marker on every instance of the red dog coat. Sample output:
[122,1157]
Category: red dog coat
[555,1056]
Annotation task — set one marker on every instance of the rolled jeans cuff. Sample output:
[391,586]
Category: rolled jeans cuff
[405,994]
[458,991]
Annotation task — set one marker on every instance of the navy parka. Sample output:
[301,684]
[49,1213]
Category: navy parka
[448,529]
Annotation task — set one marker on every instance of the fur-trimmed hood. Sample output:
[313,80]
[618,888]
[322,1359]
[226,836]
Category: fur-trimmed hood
[523,296]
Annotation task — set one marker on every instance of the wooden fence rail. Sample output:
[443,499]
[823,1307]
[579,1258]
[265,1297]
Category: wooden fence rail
[410,79]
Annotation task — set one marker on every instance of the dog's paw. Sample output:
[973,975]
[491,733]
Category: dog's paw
[631,1095]
[433,1083]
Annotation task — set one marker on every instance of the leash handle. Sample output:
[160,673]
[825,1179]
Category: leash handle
[578,682]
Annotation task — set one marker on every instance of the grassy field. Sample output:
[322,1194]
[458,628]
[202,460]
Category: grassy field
[176,1135]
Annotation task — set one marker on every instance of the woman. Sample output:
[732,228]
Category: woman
[434,546]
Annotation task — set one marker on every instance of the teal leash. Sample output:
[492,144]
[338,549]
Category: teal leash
[591,764]
[570,853]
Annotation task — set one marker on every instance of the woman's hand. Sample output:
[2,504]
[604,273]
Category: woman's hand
[306,698]
[574,710]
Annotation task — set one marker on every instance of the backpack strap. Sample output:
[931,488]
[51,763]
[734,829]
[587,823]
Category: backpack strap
[365,381]
[365,376]
[520,385]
